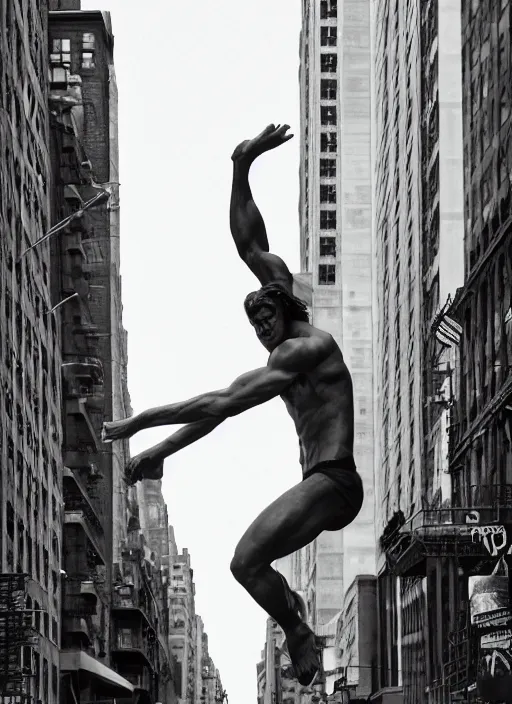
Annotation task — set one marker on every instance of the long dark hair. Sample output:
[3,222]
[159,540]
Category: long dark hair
[294,308]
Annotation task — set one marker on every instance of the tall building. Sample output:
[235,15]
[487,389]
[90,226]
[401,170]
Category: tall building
[356,639]
[336,254]
[335,237]
[30,426]
[83,113]
[154,520]
[114,626]
[84,560]
[197,681]
[208,687]
[160,543]
[480,451]
[182,619]
[418,266]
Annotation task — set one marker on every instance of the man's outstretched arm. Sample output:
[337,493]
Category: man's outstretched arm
[260,385]
[150,463]
[291,358]
[183,437]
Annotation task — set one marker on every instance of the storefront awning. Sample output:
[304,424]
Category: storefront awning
[79,660]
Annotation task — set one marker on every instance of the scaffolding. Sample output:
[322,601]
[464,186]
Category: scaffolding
[16,632]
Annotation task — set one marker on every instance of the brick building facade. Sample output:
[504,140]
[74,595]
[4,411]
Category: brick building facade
[30,387]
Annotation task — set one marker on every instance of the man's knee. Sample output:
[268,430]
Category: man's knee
[242,566]
[238,566]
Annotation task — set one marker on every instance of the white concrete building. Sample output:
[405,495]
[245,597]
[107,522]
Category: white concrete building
[336,254]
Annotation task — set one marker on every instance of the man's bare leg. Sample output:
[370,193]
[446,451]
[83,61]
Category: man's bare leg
[292,521]
[247,225]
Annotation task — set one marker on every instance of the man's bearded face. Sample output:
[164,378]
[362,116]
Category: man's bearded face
[269,324]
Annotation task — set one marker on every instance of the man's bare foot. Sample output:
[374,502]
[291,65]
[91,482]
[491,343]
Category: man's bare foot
[305,654]
[270,138]
[144,466]
[118,430]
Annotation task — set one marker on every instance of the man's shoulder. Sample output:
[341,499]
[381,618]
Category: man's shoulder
[303,353]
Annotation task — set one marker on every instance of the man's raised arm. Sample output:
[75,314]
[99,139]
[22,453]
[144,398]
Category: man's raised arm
[247,225]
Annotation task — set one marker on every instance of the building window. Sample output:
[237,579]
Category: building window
[327,274]
[55,681]
[61,52]
[124,638]
[328,114]
[327,168]
[37,616]
[328,88]
[328,63]
[327,219]
[87,59]
[328,141]
[328,36]
[328,9]
[88,41]
[88,50]
[327,246]
[328,193]
[60,62]
[45,679]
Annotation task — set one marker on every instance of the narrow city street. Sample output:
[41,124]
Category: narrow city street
[398,250]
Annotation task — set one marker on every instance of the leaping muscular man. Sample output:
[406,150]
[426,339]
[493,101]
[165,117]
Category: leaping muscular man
[306,369]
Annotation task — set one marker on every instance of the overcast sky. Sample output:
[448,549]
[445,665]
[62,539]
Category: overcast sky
[195,78]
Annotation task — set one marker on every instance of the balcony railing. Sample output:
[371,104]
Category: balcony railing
[473,530]
[76,496]
[131,644]
[83,379]
[72,240]
[77,407]
[16,630]
[487,504]
[126,599]
[80,598]
[140,680]
[437,692]
[80,518]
